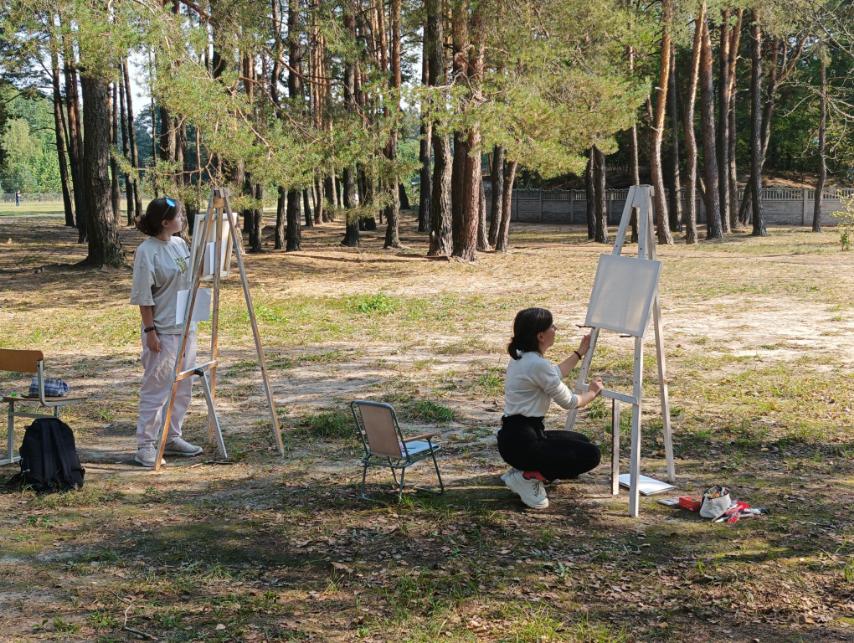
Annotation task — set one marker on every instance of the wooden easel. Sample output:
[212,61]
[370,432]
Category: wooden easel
[218,211]
[640,197]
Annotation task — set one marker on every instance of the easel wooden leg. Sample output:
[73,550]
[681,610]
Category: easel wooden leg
[213,418]
[634,464]
[615,448]
[277,434]
[665,398]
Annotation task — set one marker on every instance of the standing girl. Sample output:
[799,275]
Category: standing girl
[162,268]
[532,382]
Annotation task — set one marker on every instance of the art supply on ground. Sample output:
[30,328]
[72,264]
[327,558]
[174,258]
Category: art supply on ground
[716,500]
[669,502]
[646,485]
[689,503]
[717,504]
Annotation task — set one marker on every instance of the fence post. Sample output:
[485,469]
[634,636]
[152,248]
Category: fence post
[803,206]
[541,205]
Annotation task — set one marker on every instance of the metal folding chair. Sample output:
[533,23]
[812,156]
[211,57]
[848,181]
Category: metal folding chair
[22,361]
[385,444]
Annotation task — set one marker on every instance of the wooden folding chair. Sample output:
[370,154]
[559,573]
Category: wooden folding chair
[32,362]
[385,444]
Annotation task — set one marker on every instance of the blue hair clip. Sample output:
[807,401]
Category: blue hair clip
[170,202]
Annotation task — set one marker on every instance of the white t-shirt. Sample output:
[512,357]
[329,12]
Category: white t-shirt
[531,384]
[160,270]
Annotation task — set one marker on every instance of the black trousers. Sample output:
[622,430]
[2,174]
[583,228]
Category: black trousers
[524,444]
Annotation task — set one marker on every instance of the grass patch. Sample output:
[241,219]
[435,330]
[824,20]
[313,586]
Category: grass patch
[428,411]
[378,304]
[329,425]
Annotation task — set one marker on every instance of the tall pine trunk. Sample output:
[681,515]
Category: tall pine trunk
[440,198]
[482,225]
[125,148]
[675,183]
[822,151]
[503,241]
[293,231]
[756,155]
[657,130]
[392,210]
[600,199]
[424,145]
[590,193]
[497,185]
[134,149]
[59,129]
[75,135]
[690,137]
[723,120]
[104,245]
[281,216]
[635,156]
[731,171]
[115,195]
[711,195]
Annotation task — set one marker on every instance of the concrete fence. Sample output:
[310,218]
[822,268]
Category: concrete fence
[780,206]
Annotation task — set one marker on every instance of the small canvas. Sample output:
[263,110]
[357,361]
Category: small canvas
[623,292]
[209,245]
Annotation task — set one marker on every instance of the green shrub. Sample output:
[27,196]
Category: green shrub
[427,411]
[379,304]
[330,424]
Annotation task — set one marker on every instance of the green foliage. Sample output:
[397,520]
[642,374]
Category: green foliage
[28,159]
[845,222]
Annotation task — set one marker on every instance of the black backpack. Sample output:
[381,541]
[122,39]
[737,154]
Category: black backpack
[49,459]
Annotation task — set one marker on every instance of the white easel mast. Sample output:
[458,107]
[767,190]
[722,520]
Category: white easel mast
[640,197]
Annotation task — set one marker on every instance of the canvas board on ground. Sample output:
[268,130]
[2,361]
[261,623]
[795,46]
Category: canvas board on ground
[623,292]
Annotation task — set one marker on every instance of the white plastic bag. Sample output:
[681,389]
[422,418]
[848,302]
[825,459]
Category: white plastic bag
[716,500]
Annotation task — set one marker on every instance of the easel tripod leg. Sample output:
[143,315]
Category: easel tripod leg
[665,397]
[213,418]
[615,448]
[634,466]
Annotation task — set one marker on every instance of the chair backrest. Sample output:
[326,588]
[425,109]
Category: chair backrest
[378,425]
[20,361]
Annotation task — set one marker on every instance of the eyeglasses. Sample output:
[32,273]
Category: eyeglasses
[170,202]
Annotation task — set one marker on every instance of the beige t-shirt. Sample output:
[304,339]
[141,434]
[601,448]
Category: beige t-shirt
[160,270]
[532,383]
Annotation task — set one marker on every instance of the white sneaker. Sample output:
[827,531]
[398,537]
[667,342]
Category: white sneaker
[507,474]
[146,456]
[531,492]
[179,446]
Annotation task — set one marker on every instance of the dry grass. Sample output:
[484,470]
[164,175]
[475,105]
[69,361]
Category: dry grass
[760,345]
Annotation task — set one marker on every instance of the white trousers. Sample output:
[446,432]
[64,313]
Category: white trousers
[157,385]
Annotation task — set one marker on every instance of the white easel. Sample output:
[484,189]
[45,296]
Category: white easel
[640,197]
[218,213]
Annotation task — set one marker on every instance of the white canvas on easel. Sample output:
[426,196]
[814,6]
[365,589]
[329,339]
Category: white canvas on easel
[624,294]
[204,245]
